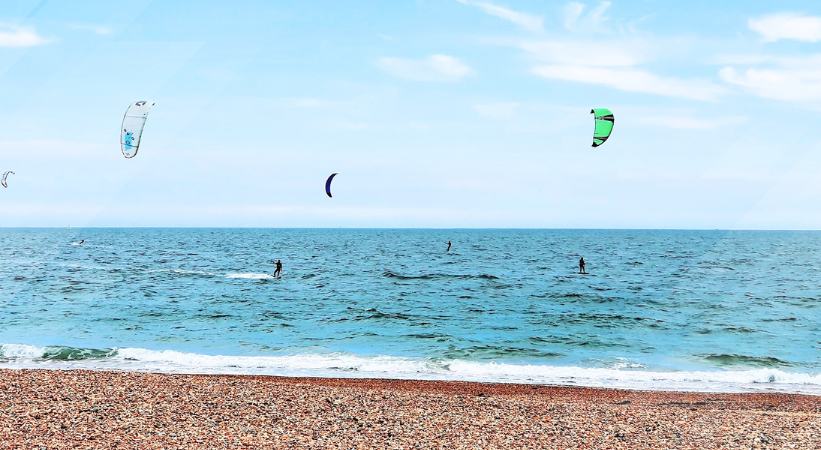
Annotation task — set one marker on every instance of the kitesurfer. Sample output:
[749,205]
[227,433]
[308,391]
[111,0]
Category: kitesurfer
[582,265]
[448,246]
[278,270]
[81,242]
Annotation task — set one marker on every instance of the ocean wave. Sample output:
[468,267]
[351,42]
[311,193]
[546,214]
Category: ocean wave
[435,276]
[740,330]
[744,360]
[780,319]
[493,351]
[628,376]
[576,341]
[52,353]
[436,336]
[375,314]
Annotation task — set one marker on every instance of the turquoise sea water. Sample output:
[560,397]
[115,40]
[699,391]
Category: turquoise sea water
[703,310]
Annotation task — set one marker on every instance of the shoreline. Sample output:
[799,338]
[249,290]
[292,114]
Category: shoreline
[335,365]
[60,408]
[512,386]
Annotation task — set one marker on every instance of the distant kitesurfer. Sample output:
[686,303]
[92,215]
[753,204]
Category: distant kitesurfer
[81,242]
[448,246]
[278,270]
[581,265]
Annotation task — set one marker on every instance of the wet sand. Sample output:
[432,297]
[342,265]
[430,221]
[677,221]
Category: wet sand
[69,409]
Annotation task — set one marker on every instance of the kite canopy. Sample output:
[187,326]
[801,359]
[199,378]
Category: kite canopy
[604,125]
[5,175]
[328,184]
[132,129]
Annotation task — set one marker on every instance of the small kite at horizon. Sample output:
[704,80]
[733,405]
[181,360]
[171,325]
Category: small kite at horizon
[131,130]
[604,121]
[328,184]
[6,175]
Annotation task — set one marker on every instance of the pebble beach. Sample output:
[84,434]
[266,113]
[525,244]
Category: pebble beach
[95,409]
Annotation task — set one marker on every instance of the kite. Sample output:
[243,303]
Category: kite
[132,128]
[604,125]
[5,175]
[328,184]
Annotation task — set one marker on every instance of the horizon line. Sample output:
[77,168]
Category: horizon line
[148,227]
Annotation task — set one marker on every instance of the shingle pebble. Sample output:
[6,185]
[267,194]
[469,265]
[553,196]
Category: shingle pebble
[100,410]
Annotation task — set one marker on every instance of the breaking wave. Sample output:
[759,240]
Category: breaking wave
[18,356]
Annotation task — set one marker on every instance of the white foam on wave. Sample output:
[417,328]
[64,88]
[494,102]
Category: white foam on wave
[355,366]
[20,351]
[274,365]
[250,276]
[624,363]
[720,380]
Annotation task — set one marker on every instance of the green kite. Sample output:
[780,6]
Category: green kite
[604,125]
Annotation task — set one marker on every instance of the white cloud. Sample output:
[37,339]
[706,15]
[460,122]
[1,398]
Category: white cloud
[791,79]
[497,110]
[616,65]
[572,12]
[597,16]
[795,79]
[787,26]
[309,102]
[632,80]
[731,59]
[688,122]
[617,62]
[100,30]
[432,68]
[786,84]
[16,36]
[525,21]
[587,53]
[575,19]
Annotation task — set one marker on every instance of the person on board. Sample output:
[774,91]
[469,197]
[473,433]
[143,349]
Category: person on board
[278,270]
[582,265]
[448,246]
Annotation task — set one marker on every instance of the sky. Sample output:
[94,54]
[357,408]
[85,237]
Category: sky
[435,113]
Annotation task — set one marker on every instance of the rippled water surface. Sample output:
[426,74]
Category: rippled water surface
[659,309]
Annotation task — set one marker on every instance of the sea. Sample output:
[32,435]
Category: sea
[730,311]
